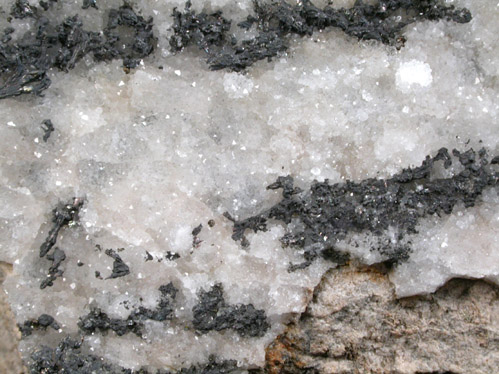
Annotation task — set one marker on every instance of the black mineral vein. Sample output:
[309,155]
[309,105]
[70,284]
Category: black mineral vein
[23,9]
[275,21]
[89,3]
[69,357]
[212,313]
[62,216]
[328,212]
[57,257]
[195,232]
[97,320]
[25,64]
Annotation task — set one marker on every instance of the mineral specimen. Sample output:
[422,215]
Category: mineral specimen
[24,65]
[120,269]
[48,129]
[157,147]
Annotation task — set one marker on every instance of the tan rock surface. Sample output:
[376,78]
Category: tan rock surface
[356,325]
[10,360]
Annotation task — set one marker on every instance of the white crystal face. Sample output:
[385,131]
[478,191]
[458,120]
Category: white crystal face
[158,151]
[413,72]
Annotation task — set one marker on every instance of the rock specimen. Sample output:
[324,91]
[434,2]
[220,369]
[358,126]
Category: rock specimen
[9,333]
[356,325]
[135,210]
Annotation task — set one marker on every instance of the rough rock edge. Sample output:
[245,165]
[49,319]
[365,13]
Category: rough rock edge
[304,348]
[10,335]
[451,331]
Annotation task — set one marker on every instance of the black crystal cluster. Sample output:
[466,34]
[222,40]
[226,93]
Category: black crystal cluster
[328,212]
[25,63]
[275,21]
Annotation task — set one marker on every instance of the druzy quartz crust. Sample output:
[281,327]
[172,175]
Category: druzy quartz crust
[177,178]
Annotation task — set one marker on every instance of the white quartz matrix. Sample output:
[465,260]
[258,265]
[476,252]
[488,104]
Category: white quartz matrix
[156,152]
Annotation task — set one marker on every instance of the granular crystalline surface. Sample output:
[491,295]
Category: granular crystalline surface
[177,178]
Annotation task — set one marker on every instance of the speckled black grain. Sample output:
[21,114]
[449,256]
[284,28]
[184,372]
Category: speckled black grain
[42,322]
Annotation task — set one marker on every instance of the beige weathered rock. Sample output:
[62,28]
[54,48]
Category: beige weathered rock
[356,325]
[10,359]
